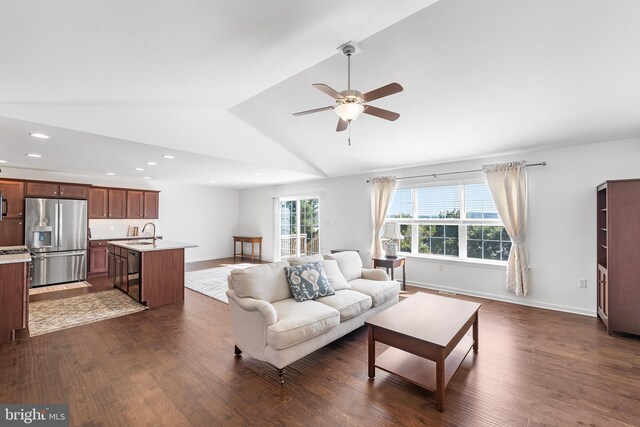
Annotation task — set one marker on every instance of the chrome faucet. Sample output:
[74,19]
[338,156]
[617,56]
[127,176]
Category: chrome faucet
[154,231]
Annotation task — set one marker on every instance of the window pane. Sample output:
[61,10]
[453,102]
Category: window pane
[478,202]
[424,244]
[451,231]
[405,244]
[488,242]
[402,204]
[309,228]
[437,231]
[451,247]
[438,202]
[437,245]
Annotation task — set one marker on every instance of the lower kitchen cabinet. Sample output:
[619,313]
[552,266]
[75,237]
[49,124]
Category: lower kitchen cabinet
[118,267]
[98,258]
[14,299]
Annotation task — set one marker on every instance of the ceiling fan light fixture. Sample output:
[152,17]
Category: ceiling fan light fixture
[349,111]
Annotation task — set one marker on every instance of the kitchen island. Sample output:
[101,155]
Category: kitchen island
[14,291]
[151,272]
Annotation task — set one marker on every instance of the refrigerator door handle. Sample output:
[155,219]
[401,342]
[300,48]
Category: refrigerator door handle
[57,254]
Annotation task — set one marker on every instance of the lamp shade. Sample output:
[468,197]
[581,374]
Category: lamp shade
[349,110]
[392,231]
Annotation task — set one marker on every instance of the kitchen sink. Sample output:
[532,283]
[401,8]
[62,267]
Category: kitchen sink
[142,243]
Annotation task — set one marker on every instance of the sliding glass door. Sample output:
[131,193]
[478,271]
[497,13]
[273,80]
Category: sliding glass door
[299,226]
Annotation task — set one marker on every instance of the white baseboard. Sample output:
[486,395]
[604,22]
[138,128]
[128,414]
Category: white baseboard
[513,300]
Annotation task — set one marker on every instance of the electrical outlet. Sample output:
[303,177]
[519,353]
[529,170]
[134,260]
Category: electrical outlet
[440,267]
[582,283]
[111,228]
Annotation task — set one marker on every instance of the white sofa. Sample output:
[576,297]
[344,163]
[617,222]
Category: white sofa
[269,325]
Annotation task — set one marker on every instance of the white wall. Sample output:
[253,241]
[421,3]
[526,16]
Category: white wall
[204,215]
[561,222]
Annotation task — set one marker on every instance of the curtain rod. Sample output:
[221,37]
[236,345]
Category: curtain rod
[435,175]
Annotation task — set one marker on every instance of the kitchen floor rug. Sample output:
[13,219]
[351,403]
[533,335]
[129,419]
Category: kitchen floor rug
[212,282]
[54,288]
[54,315]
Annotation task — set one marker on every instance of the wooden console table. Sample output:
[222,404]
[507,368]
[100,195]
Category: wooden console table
[392,263]
[247,239]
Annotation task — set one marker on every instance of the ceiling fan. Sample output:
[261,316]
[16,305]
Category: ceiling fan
[351,103]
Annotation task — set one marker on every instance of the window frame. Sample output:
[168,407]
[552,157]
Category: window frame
[461,222]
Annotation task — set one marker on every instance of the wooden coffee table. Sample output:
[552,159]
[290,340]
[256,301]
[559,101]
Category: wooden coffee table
[428,340]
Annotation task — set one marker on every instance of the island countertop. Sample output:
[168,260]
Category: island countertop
[149,245]
[14,258]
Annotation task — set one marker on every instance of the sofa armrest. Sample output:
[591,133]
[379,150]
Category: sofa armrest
[264,308]
[374,274]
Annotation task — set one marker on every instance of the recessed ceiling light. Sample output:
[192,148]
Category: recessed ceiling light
[34,155]
[258,174]
[110,173]
[139,169]
[146,177]
[152,163]
[168,156]
[3,161]
[39,135]
[213,182]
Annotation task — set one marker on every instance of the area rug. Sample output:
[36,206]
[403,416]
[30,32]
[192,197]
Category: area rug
[54,315]
[54,288]
[212,282]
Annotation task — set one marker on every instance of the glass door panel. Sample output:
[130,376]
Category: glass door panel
[299,227]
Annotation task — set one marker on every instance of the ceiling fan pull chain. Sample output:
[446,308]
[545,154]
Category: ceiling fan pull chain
[349,137]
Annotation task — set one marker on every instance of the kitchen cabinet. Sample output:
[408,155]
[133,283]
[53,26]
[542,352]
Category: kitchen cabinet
[118,274]
[76,192]
[54,190]
[12,199]
[11,232]
[151,204]
[98,257]
[117,203]
[14,299]
[135,204]
[98,203]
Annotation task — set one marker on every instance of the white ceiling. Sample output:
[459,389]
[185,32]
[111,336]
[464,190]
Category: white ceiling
[117,83]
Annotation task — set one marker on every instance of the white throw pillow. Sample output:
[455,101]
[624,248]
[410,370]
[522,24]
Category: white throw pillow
[266,282]
[300,260]
[336,279]
[349,263]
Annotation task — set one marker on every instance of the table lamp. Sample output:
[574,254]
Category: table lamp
[391,233]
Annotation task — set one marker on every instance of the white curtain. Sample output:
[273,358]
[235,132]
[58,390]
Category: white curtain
[382,188]
[508,185]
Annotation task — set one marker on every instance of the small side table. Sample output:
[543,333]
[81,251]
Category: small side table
[392,263]
[247,239]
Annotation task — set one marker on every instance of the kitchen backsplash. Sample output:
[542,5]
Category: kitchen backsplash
[115,228]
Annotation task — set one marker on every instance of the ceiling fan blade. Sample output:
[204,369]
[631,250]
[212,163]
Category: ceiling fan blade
[342,125]
[315,110]
[379,112]
[383,91]
[329,91]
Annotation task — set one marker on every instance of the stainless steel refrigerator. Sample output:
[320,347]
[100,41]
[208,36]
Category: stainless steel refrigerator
[56,233]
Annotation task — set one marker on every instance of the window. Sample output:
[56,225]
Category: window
[299,227]
[459,221]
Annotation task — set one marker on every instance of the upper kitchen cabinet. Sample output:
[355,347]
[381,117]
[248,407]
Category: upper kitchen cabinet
[117,203]
[135,204]
[12,198]
[98,203]
[151,204]
[54,190]
[71,191]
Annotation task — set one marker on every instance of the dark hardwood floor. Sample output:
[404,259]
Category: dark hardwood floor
[174,365]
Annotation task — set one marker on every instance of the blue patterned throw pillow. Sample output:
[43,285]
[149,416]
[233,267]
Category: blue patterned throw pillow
[308,281]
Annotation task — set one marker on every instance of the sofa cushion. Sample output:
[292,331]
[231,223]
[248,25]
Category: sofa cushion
[299,260]
[379,291]
[308,281]
[299,321]
[336,279]
[349,263]
[265,282]
[349,303]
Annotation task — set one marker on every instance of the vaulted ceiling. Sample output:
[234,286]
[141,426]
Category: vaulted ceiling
[117,84]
